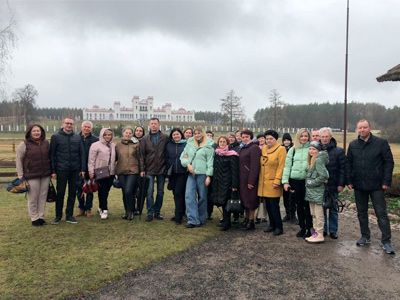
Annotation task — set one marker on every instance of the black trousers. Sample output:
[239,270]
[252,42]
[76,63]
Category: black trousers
[210,203]
[303,207]
[178,184]
[274,213]
[129,185]
[104,189]
[64,178]
[379,204]
[289,203]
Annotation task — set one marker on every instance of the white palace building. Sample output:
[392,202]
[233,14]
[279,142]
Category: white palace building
[139,110]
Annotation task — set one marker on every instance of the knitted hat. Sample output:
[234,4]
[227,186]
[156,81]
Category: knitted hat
[272,133]
[316,145]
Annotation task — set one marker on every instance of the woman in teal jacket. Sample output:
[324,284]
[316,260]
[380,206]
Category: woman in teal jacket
[317,177]
[294,175]
[198,158]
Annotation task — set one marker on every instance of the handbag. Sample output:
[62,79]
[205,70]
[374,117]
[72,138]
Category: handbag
[234,204]
[18,186]
[330,200]
[51,193]
[102,172]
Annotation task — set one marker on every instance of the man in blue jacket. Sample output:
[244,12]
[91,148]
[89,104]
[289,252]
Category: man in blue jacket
[369,172]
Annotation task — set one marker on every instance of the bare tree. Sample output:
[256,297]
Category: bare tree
[8,40]
[232,108]
[276,104]
[25,102]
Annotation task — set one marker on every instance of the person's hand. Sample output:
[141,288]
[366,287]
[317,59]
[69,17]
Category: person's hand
[276,186]
[54,176]
[207,181]
[190,169]
[82,174]
[385,187]
[142,174]
[20,177]
[250,186]
[350,187]
[340,189]
[286,187]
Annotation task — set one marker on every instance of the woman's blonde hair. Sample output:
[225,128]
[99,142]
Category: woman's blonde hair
[298,134]
[311,160]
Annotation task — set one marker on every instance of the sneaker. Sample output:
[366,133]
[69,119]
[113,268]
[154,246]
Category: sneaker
[388,248]
[333,235]
[149,218]
[104,215]
[56,221]
[158,217]
[363,241]
[315,238]
[190,225]
[71,220]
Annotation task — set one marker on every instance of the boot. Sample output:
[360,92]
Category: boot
[125,216]
[315,238]
[245,222]
[129,217]
[250,225]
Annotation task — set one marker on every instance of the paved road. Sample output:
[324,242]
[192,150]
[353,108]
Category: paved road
[238,265]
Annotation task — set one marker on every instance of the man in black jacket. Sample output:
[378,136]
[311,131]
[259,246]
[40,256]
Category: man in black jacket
[369,172]
[67,161]
[152,148]
[85,201]
[336,182]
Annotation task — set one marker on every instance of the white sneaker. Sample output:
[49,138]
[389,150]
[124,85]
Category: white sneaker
[99,211]
[104,215]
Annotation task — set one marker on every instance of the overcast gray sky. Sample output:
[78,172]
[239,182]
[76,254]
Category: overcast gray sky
[191,53]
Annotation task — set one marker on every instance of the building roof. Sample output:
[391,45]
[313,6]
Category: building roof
[392,75]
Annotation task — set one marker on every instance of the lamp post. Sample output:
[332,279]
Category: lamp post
[345,79]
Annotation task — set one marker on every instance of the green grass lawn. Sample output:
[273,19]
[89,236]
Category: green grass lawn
[57,261]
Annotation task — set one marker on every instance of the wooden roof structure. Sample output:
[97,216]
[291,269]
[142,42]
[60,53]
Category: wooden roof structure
[392,75]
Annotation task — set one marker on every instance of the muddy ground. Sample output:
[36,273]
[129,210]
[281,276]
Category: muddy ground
[258,265]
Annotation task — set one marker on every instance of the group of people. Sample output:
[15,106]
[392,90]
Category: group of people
[202,172]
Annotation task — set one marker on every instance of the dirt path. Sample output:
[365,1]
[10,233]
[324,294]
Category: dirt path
[239,265]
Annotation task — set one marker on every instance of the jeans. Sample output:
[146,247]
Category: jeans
[196,199]
[129,185]
[155,208]
[210,203]
[274,213]
[303,207]
[104,189]
[85,201]
[331,217]
[379,204]
[64,178]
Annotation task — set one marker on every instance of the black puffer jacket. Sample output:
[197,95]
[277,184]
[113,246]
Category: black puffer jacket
[336,166]
[226,177]
[173,153]
[66,152]
[369,164]
[86,143]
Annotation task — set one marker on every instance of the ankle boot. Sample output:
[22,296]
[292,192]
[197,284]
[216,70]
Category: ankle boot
[129,216]
[250,225]
[245,222]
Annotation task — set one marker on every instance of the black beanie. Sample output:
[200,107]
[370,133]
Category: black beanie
[272,133]
[286,136]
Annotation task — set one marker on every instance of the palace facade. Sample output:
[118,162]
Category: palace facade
[139,110]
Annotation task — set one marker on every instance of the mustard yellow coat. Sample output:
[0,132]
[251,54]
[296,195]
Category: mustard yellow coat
[272,164]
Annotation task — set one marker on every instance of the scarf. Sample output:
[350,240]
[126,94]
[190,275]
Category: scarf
[225,152]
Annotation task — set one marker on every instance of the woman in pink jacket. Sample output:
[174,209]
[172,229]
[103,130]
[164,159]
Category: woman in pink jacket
[102,158]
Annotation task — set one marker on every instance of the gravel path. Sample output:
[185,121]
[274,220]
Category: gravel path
[258,265]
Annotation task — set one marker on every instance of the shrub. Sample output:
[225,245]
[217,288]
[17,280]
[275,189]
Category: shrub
[394,190]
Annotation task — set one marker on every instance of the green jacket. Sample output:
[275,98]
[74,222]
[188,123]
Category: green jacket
[201,157]
[316,179]
[296,168]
